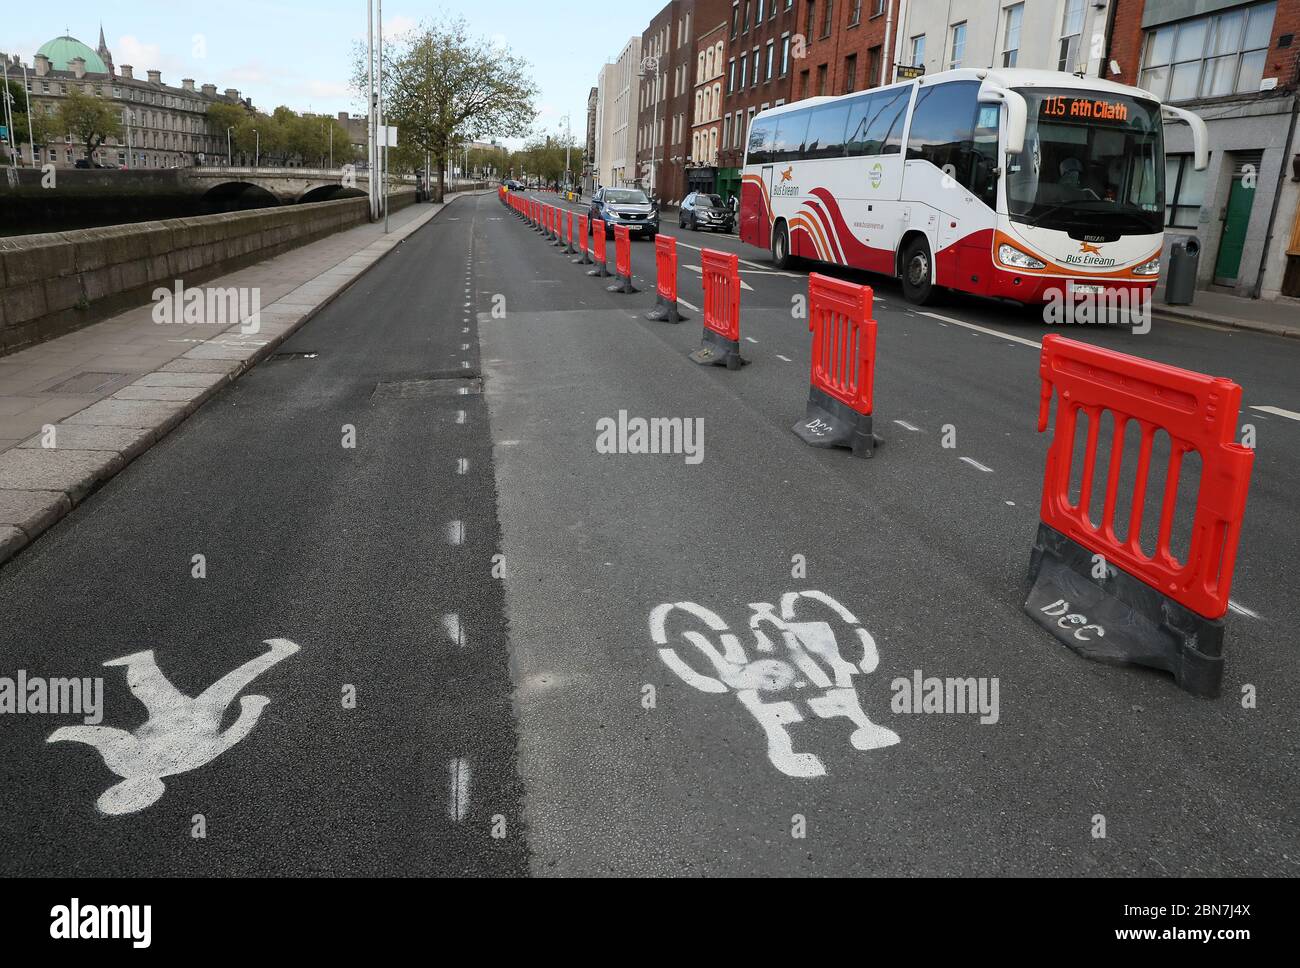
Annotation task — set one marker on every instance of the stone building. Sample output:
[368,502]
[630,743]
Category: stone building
[163,126]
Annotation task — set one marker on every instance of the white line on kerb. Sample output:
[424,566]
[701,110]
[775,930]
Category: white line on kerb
[456,533]
[462,466]
[458,784]
[1278,412]
[907,426]
[977,465]
[1243,610]
[982,329]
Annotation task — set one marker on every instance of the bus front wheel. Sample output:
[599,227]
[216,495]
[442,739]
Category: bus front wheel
[918,286]
[781,257]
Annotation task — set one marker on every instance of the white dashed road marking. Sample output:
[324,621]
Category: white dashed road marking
[983,329]
[977,465]
[458,795]
[907,426]
[1278,412]
[1242,610]
[786,358]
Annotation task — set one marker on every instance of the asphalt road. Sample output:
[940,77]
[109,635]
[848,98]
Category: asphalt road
[558,713]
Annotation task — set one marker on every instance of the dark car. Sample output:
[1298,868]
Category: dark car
[703,211]
[626,206]
[514,186]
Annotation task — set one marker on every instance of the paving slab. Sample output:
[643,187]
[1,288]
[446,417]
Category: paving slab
[168,394]
[74,472]
[32,511]
[131,413]
[130,442]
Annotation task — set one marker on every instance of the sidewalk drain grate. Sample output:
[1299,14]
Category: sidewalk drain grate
[293,356]
[87,383]
[408,389]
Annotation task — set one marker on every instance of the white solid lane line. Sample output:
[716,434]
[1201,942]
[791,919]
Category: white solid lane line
[1242,610]
[1278,412]
[458,792]
[683,302]
[743,283]
[977,465]
[982,329]
[746,262]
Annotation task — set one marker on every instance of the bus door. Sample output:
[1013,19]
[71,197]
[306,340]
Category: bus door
[755,227]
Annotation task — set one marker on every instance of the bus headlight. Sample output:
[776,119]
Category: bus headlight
[1151,268]
[1009,255]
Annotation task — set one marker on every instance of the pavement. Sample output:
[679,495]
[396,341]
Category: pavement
[1280,317]
[533,628]
[75,410]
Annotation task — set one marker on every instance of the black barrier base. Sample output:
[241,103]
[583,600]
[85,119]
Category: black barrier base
[719,351]
[583,260]
[624,285]
[600,272]
[665,311]
[1120,619]
[832,423]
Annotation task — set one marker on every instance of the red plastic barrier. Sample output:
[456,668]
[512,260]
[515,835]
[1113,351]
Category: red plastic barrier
[584,257]
[622,260]
[843,342]
[1199,413]
[722,293]
[599,257]
[665,281]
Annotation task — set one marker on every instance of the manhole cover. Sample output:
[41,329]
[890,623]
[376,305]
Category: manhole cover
[87,383]
[448,387]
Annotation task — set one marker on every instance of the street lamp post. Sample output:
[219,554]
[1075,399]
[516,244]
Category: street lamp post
[257,150]
[651,61]
[230,163]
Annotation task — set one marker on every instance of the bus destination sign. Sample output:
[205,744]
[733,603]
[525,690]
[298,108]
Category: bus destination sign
[1085,109]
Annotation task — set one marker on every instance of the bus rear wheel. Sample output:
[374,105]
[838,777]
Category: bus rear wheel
[918,286]
[781,257]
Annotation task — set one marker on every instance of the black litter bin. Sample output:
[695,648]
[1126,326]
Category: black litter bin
[1180,277]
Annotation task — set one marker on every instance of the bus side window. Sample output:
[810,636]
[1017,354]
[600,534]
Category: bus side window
[760,142]
[944,133]
[888,129]
[791,130]
[855,135]
[825,138]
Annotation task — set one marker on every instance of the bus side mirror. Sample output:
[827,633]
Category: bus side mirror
[1017,113]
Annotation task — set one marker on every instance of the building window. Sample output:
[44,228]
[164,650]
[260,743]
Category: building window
[744,23]
[821,81]
[850,73]
[744,63]
[874,56]
[771,58]
[855,13]
[1011,36]
[827,17]
[757,66]
[1071,30]
[731,75]
[918,50]
[1209,56]
[1185,191]
[735,19]
[959,44]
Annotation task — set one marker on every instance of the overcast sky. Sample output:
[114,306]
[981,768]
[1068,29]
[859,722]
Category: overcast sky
[298,52]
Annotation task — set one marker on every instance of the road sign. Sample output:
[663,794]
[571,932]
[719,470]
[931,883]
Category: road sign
[906,72]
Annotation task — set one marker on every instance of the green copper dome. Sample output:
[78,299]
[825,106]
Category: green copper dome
[63,50]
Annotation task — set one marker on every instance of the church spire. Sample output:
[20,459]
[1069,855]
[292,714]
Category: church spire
[104,54]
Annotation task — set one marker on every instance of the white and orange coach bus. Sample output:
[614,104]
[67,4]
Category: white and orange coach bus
[1004,183]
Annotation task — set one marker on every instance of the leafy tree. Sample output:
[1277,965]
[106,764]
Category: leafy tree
[36,130]
[90,120]
[443,88]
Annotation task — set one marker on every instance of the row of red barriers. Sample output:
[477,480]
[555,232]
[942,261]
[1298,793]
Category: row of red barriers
[1101,593]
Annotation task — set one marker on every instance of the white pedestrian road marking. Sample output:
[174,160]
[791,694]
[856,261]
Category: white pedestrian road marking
[1278,412]
[181,734]
[977,465]
[810,658]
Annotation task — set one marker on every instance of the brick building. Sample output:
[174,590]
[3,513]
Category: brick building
[706,111]
[848,46]
[761,44]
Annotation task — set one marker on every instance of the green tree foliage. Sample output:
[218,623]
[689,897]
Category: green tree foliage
[90,120]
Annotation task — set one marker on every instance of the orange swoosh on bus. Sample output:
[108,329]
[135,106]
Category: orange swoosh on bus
[787,174]
[1085,248]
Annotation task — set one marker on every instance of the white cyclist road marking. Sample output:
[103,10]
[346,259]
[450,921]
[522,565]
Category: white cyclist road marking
[982,329]
[977,465]
[907,426]
[1278,412]
[182,733]
[458,793]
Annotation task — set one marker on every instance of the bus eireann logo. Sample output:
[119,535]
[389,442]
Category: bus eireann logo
[787,174]
[1085,248]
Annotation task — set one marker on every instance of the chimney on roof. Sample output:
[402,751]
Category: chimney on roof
[155,77]
[78,67]
[128,72]
[232,93]
[42,65]
[188,83]
[209,90]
